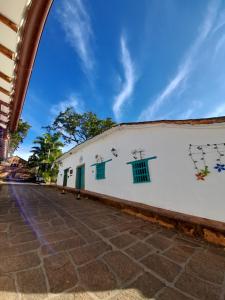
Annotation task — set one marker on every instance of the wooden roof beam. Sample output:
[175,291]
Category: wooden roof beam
[3,122]
[5,77]
[7,52]
[5,103]
[30,37]
[3,127]
[4,114]
[8,22]
[4,91]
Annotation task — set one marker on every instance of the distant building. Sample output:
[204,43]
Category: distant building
[15,168]
[174,165]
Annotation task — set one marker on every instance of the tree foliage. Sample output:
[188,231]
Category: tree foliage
[75,127]
[17,137]
[70,127]
[46,150]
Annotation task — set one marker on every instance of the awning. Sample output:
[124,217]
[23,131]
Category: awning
[21,25]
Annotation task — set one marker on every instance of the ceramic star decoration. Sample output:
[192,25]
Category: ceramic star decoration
[220,167]
[200,176]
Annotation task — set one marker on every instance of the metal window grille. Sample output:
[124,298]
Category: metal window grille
[140,171]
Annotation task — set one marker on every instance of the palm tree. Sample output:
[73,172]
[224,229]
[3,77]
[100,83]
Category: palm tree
[48,149]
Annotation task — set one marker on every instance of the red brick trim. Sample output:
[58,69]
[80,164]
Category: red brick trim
[180,122]
[210,230]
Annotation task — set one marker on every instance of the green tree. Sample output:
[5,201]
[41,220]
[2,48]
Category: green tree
[17,137]
[74,127]
[46,151]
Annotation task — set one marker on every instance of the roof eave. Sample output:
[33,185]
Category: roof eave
[180,122]
[202,121]
[35,21]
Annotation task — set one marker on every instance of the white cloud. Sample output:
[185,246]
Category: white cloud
[220,43]
[76,23]
[185,67]
[73,100]
[221,21]
[217,112]
[130,78]
[192,111]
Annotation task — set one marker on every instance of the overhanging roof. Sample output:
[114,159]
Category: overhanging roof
[21,25]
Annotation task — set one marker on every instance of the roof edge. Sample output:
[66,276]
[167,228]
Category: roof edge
[33,28]
[187,121]
[202,121]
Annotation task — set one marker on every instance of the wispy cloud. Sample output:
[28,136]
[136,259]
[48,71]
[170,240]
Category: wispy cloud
[76,23]
[220,43]
[129,81]
[192,111]
[73,100]
[185,67]
[221,21]
[217,112]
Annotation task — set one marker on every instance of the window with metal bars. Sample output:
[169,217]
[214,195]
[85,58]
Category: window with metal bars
[140,170]
[100,170]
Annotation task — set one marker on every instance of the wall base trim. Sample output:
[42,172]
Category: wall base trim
[207,229]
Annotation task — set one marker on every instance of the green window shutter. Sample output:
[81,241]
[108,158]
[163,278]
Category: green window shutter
[100,170]
[140,171]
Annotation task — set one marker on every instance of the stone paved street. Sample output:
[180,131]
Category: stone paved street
[53,246]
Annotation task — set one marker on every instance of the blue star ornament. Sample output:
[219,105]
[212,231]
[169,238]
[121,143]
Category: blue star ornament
[220,167]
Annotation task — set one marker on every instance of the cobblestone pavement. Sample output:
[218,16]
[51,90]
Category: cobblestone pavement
[53,246]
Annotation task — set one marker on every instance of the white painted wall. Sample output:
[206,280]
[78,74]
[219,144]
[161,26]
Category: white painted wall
[173,184]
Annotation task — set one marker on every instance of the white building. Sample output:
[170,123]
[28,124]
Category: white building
[174,165]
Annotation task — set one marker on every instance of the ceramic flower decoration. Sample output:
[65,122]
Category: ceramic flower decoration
[220,167]
[199,156]
[205,171]
[200,176]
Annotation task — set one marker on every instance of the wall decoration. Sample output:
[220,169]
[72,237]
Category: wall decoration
[198,155]
[114,152]
[98,158]
[219,165]
[137,154]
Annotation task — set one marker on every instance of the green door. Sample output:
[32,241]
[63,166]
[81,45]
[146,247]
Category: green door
[65,177]
[80,177]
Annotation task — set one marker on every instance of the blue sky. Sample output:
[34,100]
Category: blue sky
[131,60]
